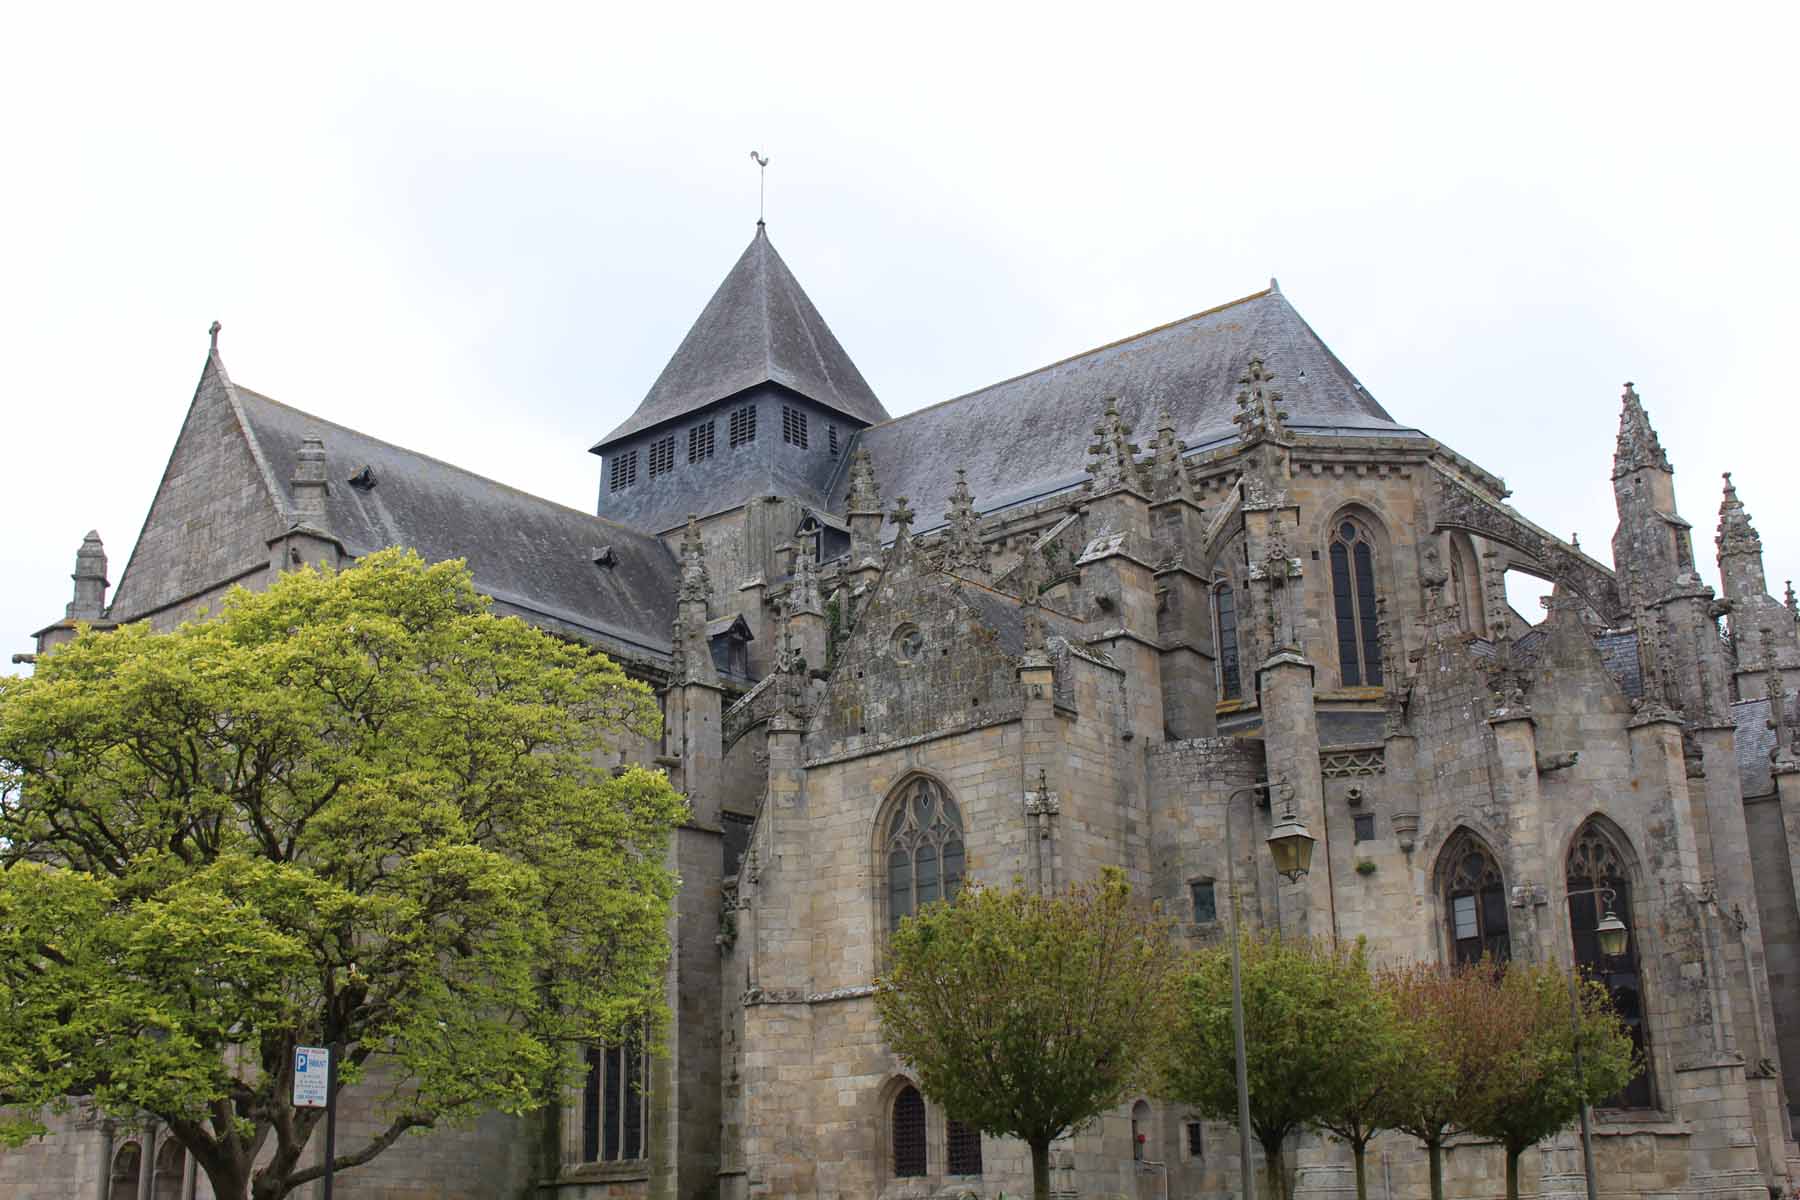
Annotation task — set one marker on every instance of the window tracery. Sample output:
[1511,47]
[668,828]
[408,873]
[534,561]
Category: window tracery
[1597,865]
[925,852]
[1475,903]
[1352,555]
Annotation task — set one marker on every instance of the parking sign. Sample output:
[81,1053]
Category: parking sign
[312,1076]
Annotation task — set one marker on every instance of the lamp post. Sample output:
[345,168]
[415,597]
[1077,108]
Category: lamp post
[1292,848]
[1612,935]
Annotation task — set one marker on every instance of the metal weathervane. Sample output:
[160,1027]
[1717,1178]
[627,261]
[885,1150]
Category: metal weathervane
[762,176]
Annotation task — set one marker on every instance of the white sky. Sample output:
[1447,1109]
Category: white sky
[480,232]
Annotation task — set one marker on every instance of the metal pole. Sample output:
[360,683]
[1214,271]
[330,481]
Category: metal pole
[1237,1004]
[331,1097]
[1587,1133]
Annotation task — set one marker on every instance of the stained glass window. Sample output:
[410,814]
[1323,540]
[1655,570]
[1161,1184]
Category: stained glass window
[1475,897]
[925,852]
[1596,865]
[1353,604]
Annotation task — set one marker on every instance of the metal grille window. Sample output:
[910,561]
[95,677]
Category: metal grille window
[700,442]
[909,1134]
[743,426]
[1596,863]
[1475,896]
[793,426]
[963,1142]
[662,456]
[624,470]
[831,435]
[1231,684]
[1364,824]
[1353,602]
[1196,1140]
[925,850]
[612,1103]
[1206,901]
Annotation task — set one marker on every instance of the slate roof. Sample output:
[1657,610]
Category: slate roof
[1619,654]
[1755,741]
[535,558]
[1027,437]
[759,327]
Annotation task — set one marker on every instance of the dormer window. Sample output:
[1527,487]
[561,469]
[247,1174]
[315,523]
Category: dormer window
[743,426]
[793,426]
[624,470]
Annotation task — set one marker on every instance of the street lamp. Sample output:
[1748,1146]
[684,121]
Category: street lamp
[1292,847]
[1290,844]
[1612,935]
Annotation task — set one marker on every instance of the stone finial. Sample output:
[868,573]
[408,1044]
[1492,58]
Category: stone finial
[1259,414]
[1638,445]
[1168,474]
[89,602]
[212,334]
[1112,459]
[695,585]
[310,488]
[803,597]
[962,539]
[1792,604]
[902,516]
[1783,753]
[1736,535]
[864,496]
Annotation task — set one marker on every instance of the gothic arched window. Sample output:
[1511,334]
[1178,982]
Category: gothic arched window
[1353,603]
[908,1133]
[924,844]
[1598,865]
[1475,903]
[1231,682]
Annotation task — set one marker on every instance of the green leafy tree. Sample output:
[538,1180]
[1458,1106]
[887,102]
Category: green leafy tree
[1517,1057]
[1314,1025]
[1027,1015]
[1429,1002]
[355,809]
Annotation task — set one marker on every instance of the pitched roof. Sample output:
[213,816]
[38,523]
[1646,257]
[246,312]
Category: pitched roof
[1027,437]
[759,327]
[534,557]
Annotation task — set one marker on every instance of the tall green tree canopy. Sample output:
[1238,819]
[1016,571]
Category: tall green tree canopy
[357,808]
[1314,1026]
[1026,1015]
[1537,1046]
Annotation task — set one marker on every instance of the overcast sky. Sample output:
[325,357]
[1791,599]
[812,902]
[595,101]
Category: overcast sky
[481,232]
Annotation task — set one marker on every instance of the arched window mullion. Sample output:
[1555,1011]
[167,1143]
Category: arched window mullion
[1354,588]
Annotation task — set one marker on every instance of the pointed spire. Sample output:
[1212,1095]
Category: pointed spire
[962,541]
[1259,414]
[759,327]
[1168,475]
[1638,445]
[89,602]
[309,486]
[695,585]
[864,497]
[1112,458]
[1736,534]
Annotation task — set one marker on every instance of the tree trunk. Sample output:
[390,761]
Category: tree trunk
[1360,1151]
[1435,1150]
[1276,1169]
[1512,1173]
[1040,1168]
[227,1182]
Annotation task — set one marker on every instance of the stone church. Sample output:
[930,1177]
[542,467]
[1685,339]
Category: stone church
[1070,620]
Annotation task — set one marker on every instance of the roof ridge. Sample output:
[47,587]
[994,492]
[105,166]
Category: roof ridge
[988,387]
[431,458]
